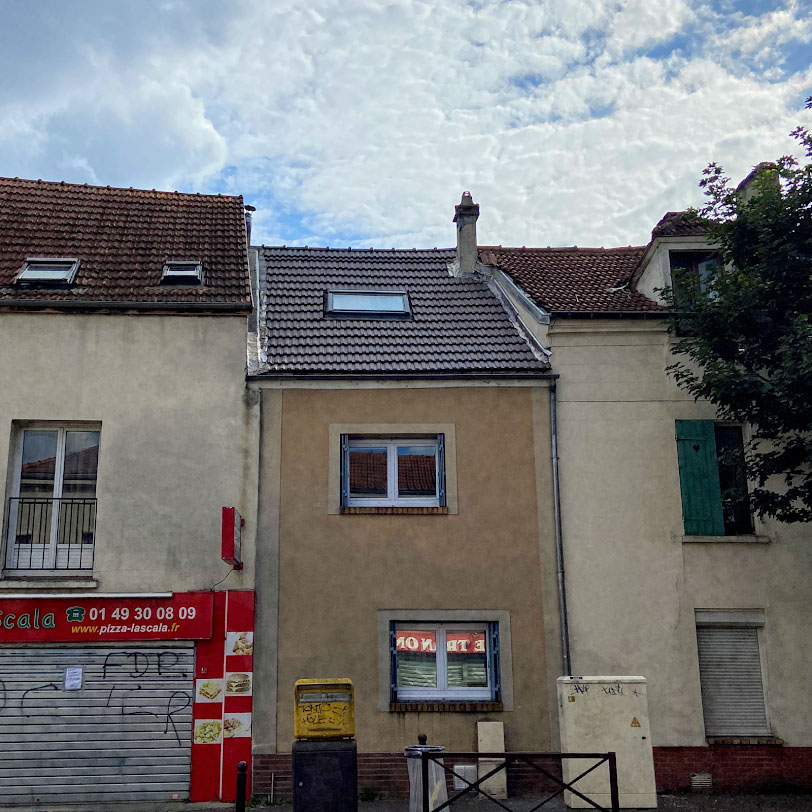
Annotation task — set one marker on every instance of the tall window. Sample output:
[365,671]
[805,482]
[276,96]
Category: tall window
[445,661]
[383,471]
[730,672]
[713,481]
[51,514]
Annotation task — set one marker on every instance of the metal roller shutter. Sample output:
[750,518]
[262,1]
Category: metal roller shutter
[732,687]
[125,735]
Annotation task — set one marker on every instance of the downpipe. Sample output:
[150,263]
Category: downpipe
[559,538]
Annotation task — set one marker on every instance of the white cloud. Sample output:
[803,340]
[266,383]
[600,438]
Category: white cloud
[367,118]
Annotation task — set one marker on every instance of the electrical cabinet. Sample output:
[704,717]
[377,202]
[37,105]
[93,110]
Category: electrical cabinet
[602,715]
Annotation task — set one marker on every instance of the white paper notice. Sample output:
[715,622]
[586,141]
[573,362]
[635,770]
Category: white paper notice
[73,678]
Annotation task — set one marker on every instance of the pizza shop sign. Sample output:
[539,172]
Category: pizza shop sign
[178,616]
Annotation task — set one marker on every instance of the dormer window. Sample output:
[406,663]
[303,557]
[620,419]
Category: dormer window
[47,271]
[182,272]
[368,303]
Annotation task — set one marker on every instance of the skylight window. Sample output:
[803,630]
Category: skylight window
[368,303]
[185,272]
[48,271]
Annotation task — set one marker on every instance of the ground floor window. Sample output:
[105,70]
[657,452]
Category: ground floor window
[731,676]
[444,661]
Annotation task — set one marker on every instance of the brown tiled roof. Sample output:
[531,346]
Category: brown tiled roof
[574,280]
[680,224]
[458,325]
[122,237]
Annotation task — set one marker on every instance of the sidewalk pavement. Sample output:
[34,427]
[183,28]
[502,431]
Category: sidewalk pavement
[666,803]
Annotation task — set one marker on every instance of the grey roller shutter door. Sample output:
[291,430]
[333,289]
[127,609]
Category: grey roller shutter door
[125,735]
[732,686]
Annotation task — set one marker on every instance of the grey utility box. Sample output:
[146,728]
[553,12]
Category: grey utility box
[325,776]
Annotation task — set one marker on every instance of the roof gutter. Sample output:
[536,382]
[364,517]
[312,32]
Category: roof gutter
[155,307]
[415,376]
[609,314]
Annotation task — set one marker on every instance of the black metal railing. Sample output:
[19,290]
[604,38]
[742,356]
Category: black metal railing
[531,759]
[44,534]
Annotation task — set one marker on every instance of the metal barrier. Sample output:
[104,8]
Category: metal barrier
[528,758]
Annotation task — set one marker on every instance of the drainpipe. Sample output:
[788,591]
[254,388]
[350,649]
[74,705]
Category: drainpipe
[559,539]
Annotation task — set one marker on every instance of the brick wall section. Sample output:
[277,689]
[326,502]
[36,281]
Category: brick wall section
[736,768]
[386,774]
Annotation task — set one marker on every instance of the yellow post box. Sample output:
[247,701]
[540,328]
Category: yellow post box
[323,709]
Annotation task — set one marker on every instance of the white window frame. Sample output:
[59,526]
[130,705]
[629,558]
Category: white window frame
[392,499]
[50,561]
[28,273]
[404,311]
[181,271]
[442,692]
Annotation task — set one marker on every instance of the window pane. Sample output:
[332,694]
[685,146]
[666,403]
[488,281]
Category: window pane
[416,658]
[47,273]
[81,462]
[367,472]
[38,466]
[467,659]
[733,480]
[369,302]
[417,470]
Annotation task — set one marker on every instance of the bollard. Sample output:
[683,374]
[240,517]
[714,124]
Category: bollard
[242,779]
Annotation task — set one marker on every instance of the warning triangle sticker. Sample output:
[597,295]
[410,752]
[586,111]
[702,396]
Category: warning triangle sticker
[635,723]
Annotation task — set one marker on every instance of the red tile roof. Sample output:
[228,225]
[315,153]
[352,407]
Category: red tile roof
[680,224]
[574,280]
[122,237]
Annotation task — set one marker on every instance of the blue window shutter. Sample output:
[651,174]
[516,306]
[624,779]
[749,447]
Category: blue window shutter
[493,654]
[345,470]
[441,469]
[393,664]
[699,478]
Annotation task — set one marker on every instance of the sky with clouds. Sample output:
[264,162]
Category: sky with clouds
[360,122]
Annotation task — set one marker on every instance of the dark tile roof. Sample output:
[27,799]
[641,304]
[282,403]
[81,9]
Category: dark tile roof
[458,325]
[574,280]
[680,224]
[122,237]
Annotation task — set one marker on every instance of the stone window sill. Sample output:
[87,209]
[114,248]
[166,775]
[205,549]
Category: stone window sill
[445,707]
[394,511]
[18,583]
[748,539]
[744,740]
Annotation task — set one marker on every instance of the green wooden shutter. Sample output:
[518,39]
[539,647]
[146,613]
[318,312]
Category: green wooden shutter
[699,478]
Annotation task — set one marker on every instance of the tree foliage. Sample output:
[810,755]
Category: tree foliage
[746,338]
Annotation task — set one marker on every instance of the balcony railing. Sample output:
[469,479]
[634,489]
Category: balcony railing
[50,534]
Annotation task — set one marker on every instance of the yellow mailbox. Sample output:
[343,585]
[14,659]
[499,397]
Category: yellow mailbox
[323,709]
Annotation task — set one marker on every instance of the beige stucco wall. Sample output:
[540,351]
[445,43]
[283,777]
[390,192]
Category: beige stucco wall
[633,584]
[338,571]
[179,434]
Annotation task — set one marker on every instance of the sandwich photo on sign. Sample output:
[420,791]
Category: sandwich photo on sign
[238,683]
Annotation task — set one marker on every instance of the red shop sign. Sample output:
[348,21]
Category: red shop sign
[181,616]
[455,642]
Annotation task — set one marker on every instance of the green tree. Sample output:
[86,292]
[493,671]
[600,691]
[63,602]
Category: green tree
[744,329]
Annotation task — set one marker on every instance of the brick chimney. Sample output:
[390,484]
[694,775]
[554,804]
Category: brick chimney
[466,215]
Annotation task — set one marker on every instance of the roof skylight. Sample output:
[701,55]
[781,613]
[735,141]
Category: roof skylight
[368,303]
[48,271]
[182,272]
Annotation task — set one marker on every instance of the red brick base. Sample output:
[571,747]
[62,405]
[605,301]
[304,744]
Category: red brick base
[735,768]
[386,775]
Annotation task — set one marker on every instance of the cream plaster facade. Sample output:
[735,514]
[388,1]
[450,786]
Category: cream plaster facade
[341,578]
[633,579]
[179,438]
